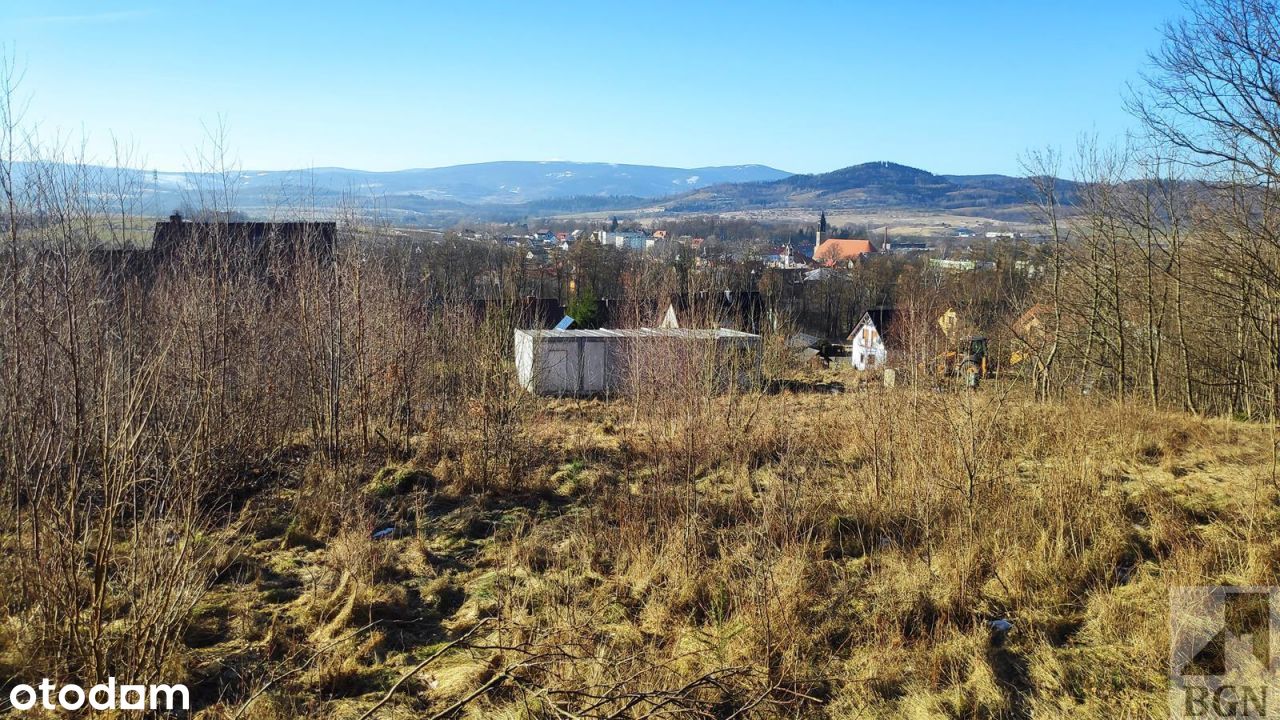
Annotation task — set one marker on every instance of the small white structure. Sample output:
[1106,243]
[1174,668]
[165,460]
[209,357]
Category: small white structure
[961,265]
[670,320]
[866,343]
[594,362]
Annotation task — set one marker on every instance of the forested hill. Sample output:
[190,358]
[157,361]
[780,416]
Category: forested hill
[875,185]
[513,191]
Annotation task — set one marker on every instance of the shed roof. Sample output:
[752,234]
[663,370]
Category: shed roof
[803,340]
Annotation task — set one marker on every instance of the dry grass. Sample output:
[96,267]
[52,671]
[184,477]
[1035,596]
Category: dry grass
[836,556]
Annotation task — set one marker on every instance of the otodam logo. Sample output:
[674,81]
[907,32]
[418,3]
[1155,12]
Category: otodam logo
[103,696]
[1223,642]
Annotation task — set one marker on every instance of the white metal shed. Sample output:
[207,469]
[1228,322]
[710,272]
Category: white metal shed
[594,362]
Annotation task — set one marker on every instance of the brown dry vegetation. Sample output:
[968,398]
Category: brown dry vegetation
[201,453]
[197,451]
[832,556]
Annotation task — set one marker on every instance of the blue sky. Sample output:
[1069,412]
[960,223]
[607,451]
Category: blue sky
[952,87]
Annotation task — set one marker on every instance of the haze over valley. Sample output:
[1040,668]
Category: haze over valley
[528,190]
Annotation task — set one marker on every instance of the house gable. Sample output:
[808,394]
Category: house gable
[867,347]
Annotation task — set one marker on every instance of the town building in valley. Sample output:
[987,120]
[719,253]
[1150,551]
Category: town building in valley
[838,252]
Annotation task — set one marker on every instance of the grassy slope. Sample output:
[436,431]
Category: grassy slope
[779,554]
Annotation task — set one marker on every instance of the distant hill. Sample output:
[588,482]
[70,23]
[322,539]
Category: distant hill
[512,191]
[521,182]
[493,183]
[875,185]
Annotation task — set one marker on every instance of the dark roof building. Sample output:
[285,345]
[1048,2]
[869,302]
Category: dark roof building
[539,313]
[738,309]
[258,243]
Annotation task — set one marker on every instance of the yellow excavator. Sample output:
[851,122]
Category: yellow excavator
[967,362]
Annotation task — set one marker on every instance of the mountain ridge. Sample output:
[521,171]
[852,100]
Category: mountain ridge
[511,190]
[874,185]
[498,182]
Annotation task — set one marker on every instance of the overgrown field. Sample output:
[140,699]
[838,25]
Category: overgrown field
[786,555]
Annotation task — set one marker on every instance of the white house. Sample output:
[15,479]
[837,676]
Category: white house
[867,348]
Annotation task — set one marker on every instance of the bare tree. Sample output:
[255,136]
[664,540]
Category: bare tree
[1215,87]
[1043,168]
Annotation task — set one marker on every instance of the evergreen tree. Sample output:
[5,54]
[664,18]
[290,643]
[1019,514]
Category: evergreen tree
[582,308]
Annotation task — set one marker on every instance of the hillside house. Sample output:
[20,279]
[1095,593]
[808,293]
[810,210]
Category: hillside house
[867,346]
[1032,324]
[1032,332]
[949,323]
